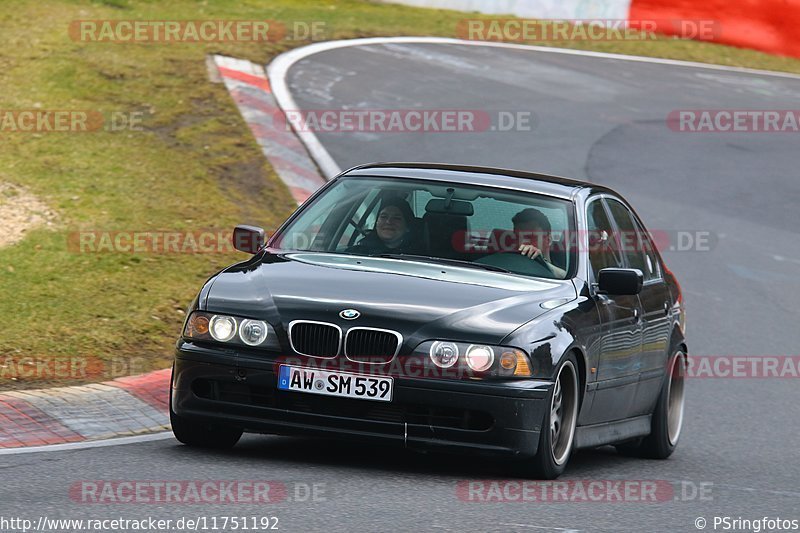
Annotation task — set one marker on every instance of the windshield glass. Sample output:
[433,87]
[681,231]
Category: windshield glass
[445,223]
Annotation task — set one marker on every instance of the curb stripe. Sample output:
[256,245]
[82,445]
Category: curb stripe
[152,388]
[250,79]
[25,425]
[251,91]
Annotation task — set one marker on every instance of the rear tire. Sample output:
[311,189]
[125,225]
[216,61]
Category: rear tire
[200,434]
[557,437]
[667,420]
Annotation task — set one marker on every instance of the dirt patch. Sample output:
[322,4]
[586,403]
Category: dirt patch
[20,211]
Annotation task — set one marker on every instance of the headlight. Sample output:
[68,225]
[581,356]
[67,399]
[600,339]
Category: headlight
[444,354]
[205,326]
[480,358]
[479,361]
[222,328]
[253,332]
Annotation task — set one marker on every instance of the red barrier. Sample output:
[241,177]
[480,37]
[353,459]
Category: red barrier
[766,25]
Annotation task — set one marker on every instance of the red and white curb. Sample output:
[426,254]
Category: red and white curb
[251,90]
[125,406]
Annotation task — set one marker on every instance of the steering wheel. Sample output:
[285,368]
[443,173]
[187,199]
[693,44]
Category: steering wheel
[360,229]
[540,259]
[521,264]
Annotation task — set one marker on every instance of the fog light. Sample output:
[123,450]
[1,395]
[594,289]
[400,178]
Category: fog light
[444,354]
[480,358]
[222,328]
[253,332]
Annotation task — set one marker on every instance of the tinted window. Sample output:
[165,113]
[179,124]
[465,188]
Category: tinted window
[603,244]
[652,267]
[442,221]
[629,236]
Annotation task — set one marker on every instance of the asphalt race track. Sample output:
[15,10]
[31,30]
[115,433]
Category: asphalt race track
[598,119]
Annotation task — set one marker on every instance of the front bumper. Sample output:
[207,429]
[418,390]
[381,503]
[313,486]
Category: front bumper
[491,418]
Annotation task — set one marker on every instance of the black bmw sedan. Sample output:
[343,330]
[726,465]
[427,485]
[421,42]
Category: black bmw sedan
[442,307]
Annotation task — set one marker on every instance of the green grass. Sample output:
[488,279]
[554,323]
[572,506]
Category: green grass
[185,170]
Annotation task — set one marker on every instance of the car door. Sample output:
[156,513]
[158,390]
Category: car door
[621,325]
[655,301]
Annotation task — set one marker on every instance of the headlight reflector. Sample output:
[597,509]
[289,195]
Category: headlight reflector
[197,325]
[444,354]
[222,328]
[508,361]
[253,332]
[480,358]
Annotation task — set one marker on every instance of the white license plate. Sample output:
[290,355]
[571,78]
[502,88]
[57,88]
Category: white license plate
[342,384]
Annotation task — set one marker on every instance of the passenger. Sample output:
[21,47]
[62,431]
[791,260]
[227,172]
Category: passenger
[533,230]
[392,233]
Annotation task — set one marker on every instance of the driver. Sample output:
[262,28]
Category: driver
[392,233]
[533,230]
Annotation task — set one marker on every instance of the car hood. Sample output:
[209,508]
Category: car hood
[420,300]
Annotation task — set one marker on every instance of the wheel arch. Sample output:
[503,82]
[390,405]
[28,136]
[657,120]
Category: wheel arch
[580,359]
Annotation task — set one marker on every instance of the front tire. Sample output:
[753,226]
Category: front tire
[557,437]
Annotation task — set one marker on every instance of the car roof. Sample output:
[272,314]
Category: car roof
[490,176]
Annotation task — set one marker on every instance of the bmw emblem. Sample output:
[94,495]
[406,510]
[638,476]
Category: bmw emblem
[349,314]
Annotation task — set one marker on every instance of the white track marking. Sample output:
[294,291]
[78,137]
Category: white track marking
[88,444]
[278,69]
[565,530]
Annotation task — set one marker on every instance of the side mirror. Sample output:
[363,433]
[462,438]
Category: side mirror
[620,281]
[248,239]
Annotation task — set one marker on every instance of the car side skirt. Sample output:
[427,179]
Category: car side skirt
[612,432]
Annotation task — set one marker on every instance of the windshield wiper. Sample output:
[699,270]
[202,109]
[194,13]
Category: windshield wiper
[442,260]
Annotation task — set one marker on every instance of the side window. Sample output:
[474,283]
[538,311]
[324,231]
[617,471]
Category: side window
[420,200]
[630,237]
[652,267]
[603,244]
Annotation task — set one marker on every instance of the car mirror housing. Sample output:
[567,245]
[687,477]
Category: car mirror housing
[248,239]
[449,207]
[620,281]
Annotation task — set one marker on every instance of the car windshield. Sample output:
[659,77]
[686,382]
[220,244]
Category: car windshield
[447,223]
